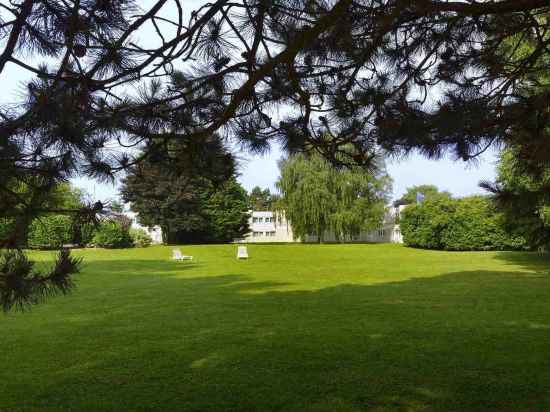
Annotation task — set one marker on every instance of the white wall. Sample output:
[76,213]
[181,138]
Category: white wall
[267,226]
[155,232]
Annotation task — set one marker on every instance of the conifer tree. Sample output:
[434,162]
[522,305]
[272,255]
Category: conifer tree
[190,191]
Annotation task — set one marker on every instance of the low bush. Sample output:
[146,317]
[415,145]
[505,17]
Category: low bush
[50,232]
[112,235]
[87,233]
[140,238]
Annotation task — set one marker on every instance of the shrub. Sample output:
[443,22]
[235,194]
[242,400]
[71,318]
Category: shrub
[140,238]
[470,223]
[6,228]
[423,225]
[87,233]
[476,225]
[112,235]
[50,232]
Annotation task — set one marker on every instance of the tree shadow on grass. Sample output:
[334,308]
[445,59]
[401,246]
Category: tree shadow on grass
[533,261]
[473,340]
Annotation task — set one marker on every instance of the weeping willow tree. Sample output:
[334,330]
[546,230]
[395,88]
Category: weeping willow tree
[318,198]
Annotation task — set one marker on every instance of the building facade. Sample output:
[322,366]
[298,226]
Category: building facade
[268,226]
[272,227]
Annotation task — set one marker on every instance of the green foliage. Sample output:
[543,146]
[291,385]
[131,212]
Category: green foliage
[317,197]
[190,192]
[50,232]
[7,225]
[429,192]
[140,238]
[226,211]
[112,234]
[422,224]
[476,225]
[522,187]
[524,199]
[470,223]
[261,199]
[87,232]
[21,285]
[66,196]
[63,225]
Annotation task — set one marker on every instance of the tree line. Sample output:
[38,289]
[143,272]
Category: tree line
[512,216]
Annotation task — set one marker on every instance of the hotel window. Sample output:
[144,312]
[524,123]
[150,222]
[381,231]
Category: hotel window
[260,220]
[254,220]
[270,234]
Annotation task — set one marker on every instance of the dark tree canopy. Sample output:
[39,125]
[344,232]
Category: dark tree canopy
[354,76]
[190,192]
[262,199]
[360,75]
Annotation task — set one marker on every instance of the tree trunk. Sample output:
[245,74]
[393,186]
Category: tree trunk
[20,233]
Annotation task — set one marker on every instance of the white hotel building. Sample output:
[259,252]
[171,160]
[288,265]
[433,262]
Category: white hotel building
[273,227]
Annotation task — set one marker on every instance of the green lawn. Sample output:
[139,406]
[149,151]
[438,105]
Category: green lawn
[297,327]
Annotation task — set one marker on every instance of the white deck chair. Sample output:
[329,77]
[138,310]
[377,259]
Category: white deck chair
[177,255]
[242,253]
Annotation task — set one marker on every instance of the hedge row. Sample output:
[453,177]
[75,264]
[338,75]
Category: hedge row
[54,231]
[470,223]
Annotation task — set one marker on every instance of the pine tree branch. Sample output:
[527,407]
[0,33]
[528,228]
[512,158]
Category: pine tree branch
[20,21]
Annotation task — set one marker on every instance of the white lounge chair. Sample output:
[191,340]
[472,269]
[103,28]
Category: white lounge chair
[177,255]
[242,253]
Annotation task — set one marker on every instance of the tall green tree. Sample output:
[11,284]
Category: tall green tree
[522,186]
[523,197]
[318,198]
[226,212]
[189,191]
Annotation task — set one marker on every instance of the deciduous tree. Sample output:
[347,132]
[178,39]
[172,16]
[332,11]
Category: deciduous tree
[317,198]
